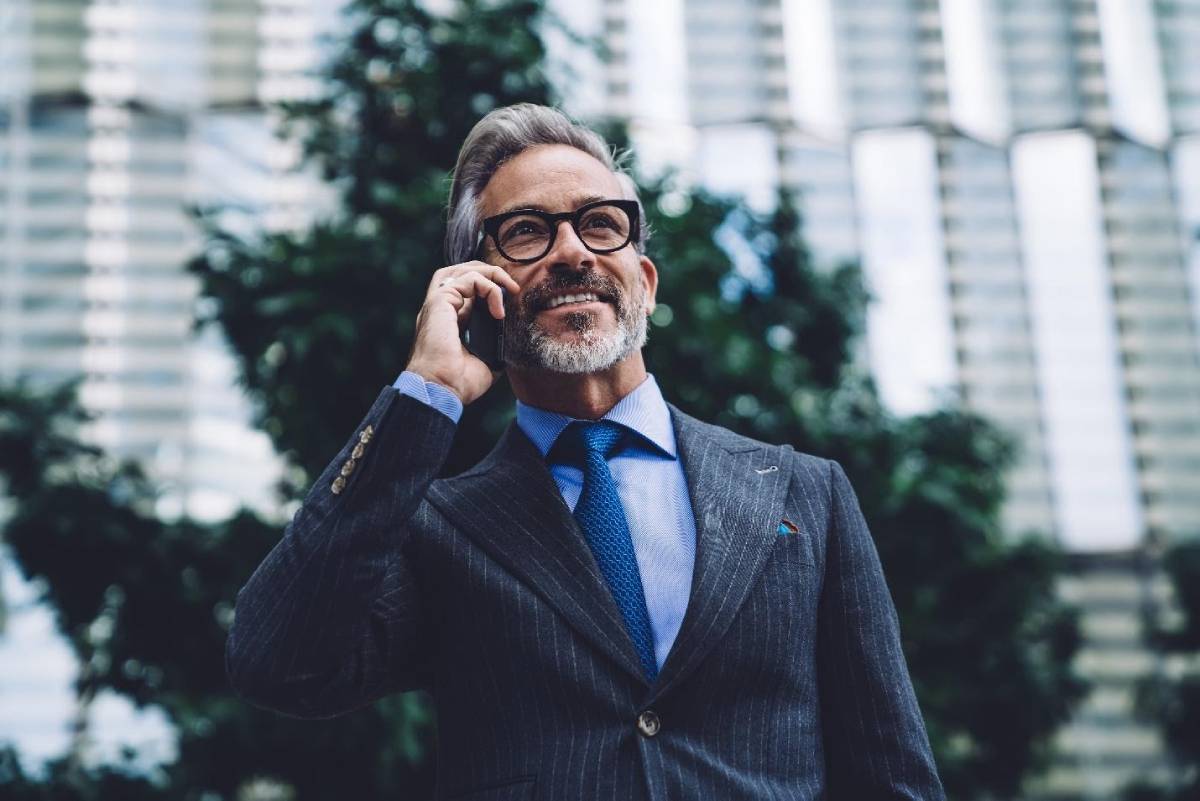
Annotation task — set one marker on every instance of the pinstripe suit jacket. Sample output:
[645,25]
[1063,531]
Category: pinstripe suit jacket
[786,679]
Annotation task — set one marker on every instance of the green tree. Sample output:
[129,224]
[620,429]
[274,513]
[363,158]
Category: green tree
[404,92]
[407,88]
[1171,699]
[321,319]
[770,356]
[64,782]
[146,606]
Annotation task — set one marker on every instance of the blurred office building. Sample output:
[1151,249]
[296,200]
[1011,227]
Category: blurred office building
[1020,180]
[115,117]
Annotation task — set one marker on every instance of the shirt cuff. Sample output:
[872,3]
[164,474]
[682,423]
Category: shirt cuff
[430,393]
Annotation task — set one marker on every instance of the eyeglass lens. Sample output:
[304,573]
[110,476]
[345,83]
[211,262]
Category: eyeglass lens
[529,236]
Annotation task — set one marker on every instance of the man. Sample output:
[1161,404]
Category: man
[620,601]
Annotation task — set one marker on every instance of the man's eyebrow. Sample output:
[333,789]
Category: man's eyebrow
[536,207]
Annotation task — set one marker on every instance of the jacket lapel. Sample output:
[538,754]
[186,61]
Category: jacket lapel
[510,505]
[737,499]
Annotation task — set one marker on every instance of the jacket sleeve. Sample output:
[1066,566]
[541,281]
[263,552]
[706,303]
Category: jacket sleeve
[876,746]
[332,619]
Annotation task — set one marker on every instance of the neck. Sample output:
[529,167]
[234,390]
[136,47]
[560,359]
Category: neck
[585,396]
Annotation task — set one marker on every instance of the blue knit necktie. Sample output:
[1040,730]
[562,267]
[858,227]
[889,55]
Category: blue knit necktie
[602,519]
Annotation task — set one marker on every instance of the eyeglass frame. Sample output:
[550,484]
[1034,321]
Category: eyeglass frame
[491,226]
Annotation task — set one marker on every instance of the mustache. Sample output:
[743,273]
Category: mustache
[535,299]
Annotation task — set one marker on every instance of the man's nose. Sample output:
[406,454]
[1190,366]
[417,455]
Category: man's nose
[568,250]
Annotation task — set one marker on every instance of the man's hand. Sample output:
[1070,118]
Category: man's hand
[438,353]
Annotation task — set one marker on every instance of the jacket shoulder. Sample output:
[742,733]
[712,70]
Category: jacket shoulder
[799,461]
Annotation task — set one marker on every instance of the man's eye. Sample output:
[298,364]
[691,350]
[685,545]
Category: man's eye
[523,228]
[600,221]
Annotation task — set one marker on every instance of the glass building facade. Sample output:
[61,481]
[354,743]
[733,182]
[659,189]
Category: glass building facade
[1019,181]
[115,116]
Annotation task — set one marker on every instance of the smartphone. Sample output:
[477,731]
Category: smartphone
[484,334]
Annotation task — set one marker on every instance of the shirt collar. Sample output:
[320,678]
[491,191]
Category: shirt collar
[642,410]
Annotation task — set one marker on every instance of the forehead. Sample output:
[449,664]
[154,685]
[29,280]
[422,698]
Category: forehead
[548,177]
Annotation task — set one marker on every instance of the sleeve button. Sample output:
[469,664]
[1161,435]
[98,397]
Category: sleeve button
[339,484]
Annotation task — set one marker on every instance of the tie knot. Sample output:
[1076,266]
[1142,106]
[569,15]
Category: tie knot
[583,438]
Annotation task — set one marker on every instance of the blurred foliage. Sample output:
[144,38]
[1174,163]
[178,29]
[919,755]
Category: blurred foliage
[146,605]
[770,356]
[63,782]
[344,294]
[321,319]
[1170,698]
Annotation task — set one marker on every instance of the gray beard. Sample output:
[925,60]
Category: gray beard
[527,344]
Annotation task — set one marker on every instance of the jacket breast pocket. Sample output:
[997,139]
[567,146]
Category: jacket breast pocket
[517,789]
[774,634]
[794,546]
[791,576]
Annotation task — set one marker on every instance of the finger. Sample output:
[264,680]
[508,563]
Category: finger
[444,278]
[502,277]
[478,287]
[494,272]
[464,312]
[446,282]
[448,291]
[439,279]
[488,289]
[495,300]
[445,275]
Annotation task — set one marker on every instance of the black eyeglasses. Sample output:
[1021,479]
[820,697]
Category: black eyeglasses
[526,235]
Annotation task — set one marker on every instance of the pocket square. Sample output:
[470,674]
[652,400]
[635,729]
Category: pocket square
[787,527]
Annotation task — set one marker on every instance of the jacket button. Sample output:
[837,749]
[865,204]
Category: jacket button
[357,452]
[339,484]
[648,723]
[348,467]
[366,434]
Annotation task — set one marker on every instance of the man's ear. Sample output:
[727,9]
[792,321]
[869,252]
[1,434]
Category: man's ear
[650,280]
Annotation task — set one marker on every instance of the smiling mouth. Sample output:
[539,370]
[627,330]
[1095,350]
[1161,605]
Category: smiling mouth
[570,300]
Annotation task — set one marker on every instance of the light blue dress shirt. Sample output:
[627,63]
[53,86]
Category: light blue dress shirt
[650,482]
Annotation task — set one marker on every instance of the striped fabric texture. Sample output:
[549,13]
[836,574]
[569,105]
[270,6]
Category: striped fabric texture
[654,497]
[602,521]
[786,680]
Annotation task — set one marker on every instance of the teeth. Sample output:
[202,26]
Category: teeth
[561,299]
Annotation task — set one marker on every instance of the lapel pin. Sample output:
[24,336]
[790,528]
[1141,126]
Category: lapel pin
[762,470]
[787,527]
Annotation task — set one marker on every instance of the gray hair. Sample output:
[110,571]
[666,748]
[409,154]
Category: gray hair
[498,137]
